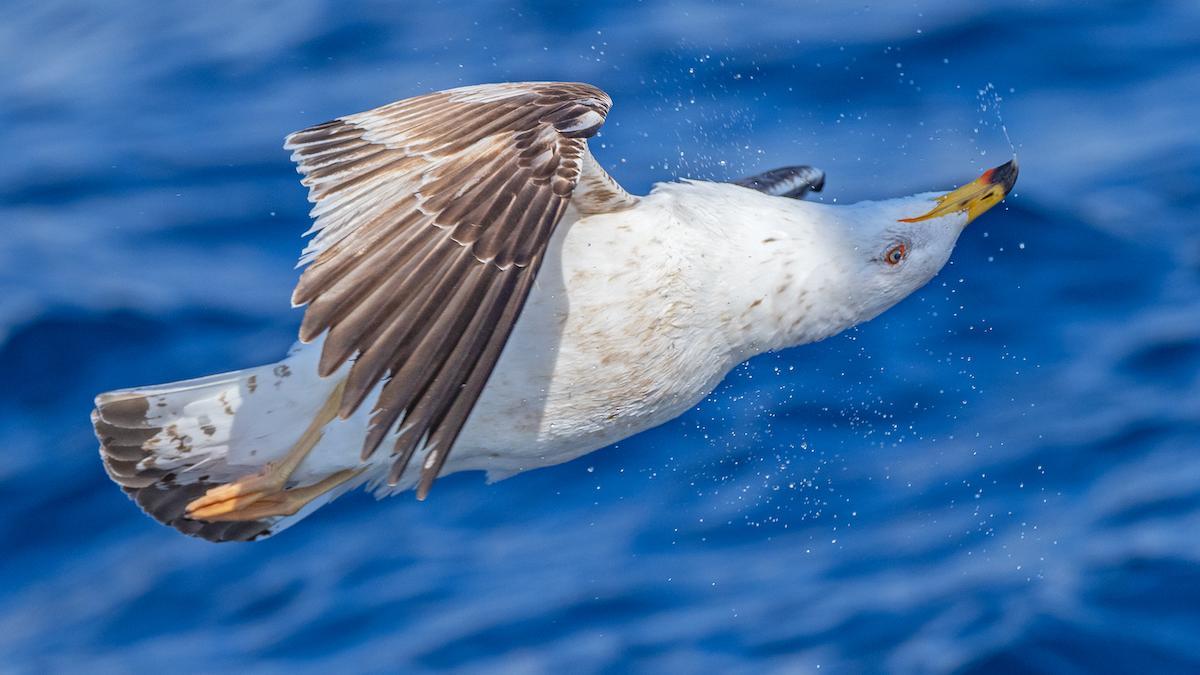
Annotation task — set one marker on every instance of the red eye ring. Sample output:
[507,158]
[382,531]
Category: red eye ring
[895,254]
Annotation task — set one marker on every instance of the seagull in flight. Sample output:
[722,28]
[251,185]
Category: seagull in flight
[479,294]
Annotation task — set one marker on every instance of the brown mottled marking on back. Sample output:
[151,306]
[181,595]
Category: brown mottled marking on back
[597,192]
[225,404]
[182,442]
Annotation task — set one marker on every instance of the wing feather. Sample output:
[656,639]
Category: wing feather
[432,216]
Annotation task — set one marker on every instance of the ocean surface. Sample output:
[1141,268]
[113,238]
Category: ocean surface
[999,475]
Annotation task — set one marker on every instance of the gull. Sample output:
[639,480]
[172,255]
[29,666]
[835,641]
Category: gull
[481,295]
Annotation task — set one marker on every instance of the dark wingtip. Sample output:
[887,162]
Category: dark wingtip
[817,184]
[787,181]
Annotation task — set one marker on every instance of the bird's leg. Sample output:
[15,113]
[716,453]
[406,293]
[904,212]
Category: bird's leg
[265,493]
[268,504]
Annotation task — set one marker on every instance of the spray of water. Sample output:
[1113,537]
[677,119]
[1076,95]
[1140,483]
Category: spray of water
[989,101]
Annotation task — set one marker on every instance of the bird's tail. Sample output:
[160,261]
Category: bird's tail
[166,445]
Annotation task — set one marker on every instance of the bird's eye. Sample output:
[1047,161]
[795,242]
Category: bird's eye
[895,254]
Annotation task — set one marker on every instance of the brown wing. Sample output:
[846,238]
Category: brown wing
[432,217]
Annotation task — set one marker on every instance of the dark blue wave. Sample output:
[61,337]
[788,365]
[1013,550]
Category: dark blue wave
[999,475]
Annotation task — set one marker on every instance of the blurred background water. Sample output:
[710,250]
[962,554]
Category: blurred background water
[999,475]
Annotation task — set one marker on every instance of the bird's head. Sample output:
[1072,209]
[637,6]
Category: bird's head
[898,245]
[815,269]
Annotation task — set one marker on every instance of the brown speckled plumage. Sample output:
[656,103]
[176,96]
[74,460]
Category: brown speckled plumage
[124,433]
[433,215]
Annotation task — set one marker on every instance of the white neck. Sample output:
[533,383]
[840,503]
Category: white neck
[792,289]
[788,268]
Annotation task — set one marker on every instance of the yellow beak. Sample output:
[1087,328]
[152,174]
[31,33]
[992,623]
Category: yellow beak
[977,196]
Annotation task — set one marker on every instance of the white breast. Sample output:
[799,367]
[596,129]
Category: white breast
[613,340]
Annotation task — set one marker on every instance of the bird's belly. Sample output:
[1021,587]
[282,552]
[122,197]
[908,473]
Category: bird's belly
[608,345]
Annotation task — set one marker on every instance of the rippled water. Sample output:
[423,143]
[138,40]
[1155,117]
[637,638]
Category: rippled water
[999,475]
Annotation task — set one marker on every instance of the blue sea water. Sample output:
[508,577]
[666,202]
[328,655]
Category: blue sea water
[1001,474]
